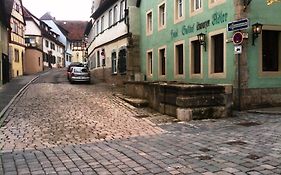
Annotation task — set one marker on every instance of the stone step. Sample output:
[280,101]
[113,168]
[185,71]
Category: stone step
[136,102]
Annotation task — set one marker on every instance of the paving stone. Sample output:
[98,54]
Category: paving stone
[63,128]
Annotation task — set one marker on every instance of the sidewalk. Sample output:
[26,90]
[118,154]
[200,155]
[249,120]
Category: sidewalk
[10,90]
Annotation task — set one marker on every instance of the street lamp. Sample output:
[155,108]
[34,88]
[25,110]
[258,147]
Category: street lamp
[256,30]
[202,40]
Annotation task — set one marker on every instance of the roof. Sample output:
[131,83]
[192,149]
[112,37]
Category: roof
[9,7]
[3,17]
[47,16]
[88,28]
[104,5]
[75,29]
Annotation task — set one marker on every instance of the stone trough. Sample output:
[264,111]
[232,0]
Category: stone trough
[184,101]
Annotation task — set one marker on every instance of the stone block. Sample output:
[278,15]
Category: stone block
[201,101]
[184,114]
[168,109]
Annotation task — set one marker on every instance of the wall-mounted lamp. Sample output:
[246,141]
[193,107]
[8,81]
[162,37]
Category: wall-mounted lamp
[202,39]
[256,29]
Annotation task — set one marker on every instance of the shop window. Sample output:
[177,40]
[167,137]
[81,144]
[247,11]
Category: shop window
[114,62]
[179,59]
[195,57]
[178,10]
[122,61]
[161,16]
[217,53]
[149,58]
[271,50]
[149,24]
[162,61]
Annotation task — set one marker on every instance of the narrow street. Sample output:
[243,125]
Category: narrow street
[55,127]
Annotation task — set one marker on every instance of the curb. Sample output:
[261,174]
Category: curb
[2,118]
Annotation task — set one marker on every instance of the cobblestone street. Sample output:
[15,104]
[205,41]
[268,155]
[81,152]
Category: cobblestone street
[60,128]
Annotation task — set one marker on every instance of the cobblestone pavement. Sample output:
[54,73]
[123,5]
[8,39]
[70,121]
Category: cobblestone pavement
[91,132]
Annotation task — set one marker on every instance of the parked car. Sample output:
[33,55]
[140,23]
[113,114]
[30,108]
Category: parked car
[76,64]
[79,74]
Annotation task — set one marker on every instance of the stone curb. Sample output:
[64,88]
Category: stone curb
[2,118]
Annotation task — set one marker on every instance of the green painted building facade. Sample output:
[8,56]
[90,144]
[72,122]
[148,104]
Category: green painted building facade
[170,49]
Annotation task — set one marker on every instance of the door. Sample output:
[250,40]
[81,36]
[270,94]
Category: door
[5,68]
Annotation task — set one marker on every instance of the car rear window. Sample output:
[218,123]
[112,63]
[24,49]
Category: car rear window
[79,70]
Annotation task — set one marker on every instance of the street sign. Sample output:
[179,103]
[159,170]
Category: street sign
[237,50]
[237,38]
[238,25]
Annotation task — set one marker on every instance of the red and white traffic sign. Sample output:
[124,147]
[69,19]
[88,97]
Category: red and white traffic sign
[237,38]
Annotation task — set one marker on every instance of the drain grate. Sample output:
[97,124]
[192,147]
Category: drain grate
[236,142]
[253,157]
[248,123]
[205,157]
[204,149]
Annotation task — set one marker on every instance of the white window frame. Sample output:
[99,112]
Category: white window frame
[192,7]
[110,19]
[115,14]
[213,3]
[162,16]
[149,26]
[259,40]
[122,9]
[211,73]
[177,9]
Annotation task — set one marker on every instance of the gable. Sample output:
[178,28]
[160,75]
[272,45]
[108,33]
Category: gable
[17,11]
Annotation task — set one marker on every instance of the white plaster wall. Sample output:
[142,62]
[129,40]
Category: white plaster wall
[32,28]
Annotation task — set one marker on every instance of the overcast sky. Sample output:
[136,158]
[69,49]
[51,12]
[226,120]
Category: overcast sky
[60,9]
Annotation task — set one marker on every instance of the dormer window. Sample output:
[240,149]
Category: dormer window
[17,7]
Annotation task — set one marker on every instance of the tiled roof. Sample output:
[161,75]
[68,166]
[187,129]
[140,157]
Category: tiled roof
[75,29]
[47,16]
[104,5]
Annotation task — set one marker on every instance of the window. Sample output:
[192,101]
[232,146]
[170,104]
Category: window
[102,23]
[271,50]
[149,63]
[179,10]
[122,9]
[17,7]
[195,57]
[39,61]
[98,58]
[98,27]
[17,55]
[162,61]
[149,24]
[122,61]
[115,14]
[53,46]
[114,62]
[179,59]
[217,53]
[110,18]
[213,3]
[161,16]
[195,7]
